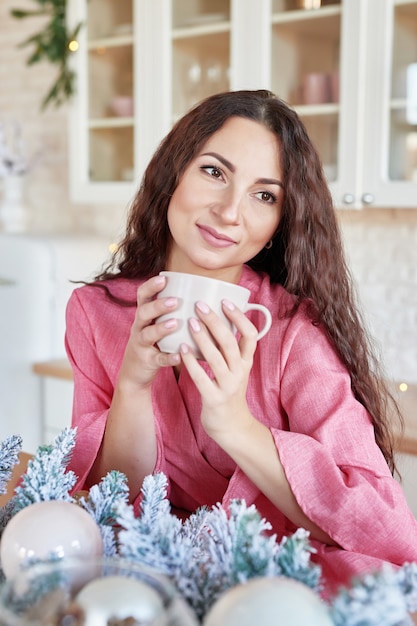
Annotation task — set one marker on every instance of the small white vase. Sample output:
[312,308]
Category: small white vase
[13,208]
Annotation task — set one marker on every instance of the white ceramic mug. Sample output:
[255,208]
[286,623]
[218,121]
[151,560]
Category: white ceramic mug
[190,289]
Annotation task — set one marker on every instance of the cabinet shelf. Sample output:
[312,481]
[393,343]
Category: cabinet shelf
[112,41]
[111,122]
[306,15]
[327,27]
[188,32]
[315,110]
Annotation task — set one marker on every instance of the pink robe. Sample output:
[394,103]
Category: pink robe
[298,387]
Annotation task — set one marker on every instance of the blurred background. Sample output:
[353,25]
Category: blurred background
[69,170]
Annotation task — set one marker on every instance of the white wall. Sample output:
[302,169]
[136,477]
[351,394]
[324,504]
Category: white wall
[381,244]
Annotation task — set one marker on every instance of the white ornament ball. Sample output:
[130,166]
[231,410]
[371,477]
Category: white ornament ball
[44,529]
[120,598]
[275,601]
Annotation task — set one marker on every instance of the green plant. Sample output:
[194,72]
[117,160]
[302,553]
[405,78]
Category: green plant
[52,44]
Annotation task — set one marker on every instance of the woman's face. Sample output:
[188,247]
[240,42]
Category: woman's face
[227,205]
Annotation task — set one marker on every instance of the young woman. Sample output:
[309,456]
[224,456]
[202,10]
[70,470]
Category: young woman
[297,423]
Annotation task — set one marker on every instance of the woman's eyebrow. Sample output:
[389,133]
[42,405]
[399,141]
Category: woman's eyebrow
[270,181]
[231,167]
[221,158]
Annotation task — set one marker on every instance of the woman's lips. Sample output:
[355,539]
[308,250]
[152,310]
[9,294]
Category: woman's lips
[211,236]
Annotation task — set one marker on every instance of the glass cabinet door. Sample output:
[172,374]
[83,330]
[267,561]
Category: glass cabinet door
[402,162]
[305,69]
[200,51]
[390,169]
[348,67]
[110,62]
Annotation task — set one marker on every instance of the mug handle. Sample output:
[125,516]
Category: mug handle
[252,306]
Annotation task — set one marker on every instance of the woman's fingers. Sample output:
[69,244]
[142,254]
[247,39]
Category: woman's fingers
[220,339]
[151,308]
[248,332]
[146,333]
[223,391]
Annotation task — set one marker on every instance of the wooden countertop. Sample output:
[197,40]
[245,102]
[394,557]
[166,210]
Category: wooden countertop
[55,368]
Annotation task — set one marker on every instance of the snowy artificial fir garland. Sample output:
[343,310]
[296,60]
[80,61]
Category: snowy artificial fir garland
[212,551]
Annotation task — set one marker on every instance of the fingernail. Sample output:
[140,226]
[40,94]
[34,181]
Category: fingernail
[202,307]
[171,323]
[229,305]
[184,348]
[195,325]
[159,280]
[170,302]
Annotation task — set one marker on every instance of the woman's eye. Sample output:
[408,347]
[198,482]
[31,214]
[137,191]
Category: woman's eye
[212,170]
[267,196]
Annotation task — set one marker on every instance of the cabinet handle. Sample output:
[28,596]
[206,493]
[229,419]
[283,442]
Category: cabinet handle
[348,198]
[368,198]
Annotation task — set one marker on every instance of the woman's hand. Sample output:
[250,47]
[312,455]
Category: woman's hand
[224,405]
[225,414]
[142,358]
[131,417]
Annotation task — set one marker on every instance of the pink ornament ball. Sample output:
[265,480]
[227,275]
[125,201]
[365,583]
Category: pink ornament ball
[44,529]
[269,601]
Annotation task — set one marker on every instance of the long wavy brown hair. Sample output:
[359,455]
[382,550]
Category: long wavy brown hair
[307,255]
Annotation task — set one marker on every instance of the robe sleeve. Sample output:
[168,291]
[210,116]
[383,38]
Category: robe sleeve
[335,469]
[92,353]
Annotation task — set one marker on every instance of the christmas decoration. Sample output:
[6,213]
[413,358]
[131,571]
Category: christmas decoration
[48,530]
[9,457]
[97,592]
[269,601]
[121,598]
[213,553]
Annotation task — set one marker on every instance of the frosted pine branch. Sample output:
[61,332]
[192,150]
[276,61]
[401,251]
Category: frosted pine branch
[101,504]
[372,600]
[46,477]
[294,559]
[10,449]
[154,538]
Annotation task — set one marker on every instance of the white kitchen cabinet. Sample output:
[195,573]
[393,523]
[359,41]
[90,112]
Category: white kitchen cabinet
[365,127]
[389,128]
[342,66]
[35,284]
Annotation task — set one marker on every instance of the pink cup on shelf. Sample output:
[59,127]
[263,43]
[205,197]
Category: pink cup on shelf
[122,106]
[334,87]
[315,88]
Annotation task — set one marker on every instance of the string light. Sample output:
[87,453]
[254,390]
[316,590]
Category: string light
[73,45]
[403,386]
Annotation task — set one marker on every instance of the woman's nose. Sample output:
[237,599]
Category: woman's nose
[228,207]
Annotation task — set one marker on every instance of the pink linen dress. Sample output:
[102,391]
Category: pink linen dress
[298,388]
